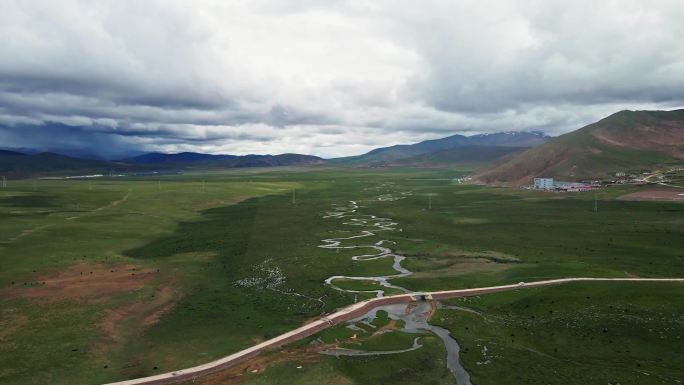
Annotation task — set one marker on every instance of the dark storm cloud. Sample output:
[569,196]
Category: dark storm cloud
[66,139]
[105,142]
[324,78]
[113,90]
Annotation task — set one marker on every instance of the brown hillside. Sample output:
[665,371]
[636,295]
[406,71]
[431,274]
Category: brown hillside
[627,140]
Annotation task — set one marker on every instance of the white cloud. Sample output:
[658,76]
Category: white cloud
[327,78]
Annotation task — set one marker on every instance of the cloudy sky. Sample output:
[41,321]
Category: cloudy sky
[328,78]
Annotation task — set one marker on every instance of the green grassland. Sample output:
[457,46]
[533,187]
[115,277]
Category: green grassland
[474,236]
[593,333]
[211,238]
[582,333]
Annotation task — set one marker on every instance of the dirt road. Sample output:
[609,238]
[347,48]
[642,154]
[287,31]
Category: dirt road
[349,313]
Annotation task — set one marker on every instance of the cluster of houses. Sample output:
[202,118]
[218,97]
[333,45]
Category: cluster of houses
[549,184]
[638,177]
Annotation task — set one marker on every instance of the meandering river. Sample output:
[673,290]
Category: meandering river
[415,317]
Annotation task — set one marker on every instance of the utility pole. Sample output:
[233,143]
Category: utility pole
[4,182]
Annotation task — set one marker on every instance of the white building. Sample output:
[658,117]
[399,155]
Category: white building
[543,183]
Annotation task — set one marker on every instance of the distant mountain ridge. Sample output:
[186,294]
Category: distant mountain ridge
[181,157]
[466,155]
[10,153]
[626,140]
[228,161]
[454,143]
[17,164]
[455,149]
[14,164]
[70,152]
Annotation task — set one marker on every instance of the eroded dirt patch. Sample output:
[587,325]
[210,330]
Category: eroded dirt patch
[655,195]
[11,320]
[130,320]
[465,266]
[391,325]
[298,357]
[464,262]
[493,256]
[82,282]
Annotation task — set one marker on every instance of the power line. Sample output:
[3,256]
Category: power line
[595,203]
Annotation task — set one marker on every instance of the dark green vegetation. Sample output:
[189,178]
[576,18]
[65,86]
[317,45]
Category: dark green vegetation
[624,141]
[203,269]
[593,333]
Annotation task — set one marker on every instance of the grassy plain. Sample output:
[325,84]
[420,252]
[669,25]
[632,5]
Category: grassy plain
[474,236]
[593,333]
[182,266]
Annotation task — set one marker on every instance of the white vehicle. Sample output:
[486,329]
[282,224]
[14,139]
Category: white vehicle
[521,283]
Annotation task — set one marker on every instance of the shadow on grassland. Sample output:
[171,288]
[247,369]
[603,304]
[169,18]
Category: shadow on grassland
[28,201]
[216,315]
[222,230]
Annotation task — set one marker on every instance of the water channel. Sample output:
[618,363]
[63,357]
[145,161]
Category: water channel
[415,316]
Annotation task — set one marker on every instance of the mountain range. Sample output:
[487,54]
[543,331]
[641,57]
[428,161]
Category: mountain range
[624,141]
[15,164]
[453,150]
[483,147]
[198,160]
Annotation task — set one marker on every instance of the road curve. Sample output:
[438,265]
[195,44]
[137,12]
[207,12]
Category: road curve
[346,314]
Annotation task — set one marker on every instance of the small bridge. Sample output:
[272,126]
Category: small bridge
[421,297]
